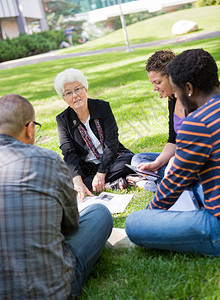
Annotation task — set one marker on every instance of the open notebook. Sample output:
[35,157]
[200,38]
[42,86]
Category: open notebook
[148,174]
[116,203]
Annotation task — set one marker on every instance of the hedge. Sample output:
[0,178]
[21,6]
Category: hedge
[27,45]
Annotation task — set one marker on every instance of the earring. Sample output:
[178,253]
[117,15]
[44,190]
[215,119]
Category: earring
[190,95]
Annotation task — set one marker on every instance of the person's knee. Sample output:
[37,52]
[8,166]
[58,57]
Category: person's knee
[100,214]
[136,160]
[131,226]
[139,225]
[103,210]
[143,158]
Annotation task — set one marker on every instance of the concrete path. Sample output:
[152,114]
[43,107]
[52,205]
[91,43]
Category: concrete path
[53,55]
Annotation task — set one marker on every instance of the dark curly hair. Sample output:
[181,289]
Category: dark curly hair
[196,66]
[159,60]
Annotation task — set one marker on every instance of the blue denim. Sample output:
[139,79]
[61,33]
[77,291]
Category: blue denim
[183,231]
[149,157]
[95,226]
[139,158]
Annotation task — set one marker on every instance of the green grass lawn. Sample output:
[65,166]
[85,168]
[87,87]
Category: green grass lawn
[121,79]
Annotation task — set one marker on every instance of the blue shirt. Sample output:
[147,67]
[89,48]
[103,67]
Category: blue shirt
[197,157]
[38,209]
[68,32]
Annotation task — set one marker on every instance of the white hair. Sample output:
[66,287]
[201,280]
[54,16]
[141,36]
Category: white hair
[66,76]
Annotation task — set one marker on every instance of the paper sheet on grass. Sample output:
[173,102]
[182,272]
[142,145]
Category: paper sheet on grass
[119,239]
[116,203]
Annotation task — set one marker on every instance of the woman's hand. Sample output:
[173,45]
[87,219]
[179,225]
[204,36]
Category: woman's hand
[98,183]
[152,166]
[81,188]
[161,160]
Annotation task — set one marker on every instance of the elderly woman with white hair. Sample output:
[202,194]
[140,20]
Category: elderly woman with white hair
[88,136]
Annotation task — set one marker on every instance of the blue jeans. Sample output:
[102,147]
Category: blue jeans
[95,226]
[182,231]
[139,158]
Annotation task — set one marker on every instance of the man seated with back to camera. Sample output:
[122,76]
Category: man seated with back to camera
[47,249]
[194,78]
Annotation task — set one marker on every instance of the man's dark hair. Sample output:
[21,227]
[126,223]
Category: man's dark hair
[159,60]
[196,66]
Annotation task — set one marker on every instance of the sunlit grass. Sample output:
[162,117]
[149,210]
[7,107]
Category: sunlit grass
[121,79]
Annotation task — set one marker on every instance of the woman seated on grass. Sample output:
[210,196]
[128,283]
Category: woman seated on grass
[88,136]
[194,78]
[158,76]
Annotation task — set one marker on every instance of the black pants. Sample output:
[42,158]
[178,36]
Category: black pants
[116,170]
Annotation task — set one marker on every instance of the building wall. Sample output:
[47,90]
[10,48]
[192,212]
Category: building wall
[8,8]
[31,9]
[9,28]
[16,14]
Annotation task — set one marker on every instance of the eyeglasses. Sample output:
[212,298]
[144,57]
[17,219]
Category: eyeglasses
[77,91]
[37,125]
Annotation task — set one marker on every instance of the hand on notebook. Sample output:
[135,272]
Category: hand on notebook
[143,171]
[152,166]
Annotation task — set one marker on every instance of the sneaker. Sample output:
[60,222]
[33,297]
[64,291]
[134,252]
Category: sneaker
[149,185]
[119,184]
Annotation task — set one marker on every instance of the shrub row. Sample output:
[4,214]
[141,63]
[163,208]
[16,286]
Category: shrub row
[27,45]
[207,2]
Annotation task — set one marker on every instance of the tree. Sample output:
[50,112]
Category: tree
[58,12]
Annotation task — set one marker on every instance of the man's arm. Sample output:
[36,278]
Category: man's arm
[67,198]
[194,144]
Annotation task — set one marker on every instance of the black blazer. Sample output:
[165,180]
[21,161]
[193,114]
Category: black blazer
[171,107]
[73,146]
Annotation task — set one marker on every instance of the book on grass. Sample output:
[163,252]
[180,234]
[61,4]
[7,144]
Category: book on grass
[116,203]
[144,172]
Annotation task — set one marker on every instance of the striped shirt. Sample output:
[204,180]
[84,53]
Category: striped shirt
[197,156]
[37,210]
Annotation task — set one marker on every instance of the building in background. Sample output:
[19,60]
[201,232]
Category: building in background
[88,5]
[150,5]
[16,16]
[106,11]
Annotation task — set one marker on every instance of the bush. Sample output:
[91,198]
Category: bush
[57,36]
[23,46]
[208,2]
[27,45]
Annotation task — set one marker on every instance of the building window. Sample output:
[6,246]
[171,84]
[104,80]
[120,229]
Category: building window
[87,5]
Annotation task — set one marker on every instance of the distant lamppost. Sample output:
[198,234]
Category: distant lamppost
[124,28]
